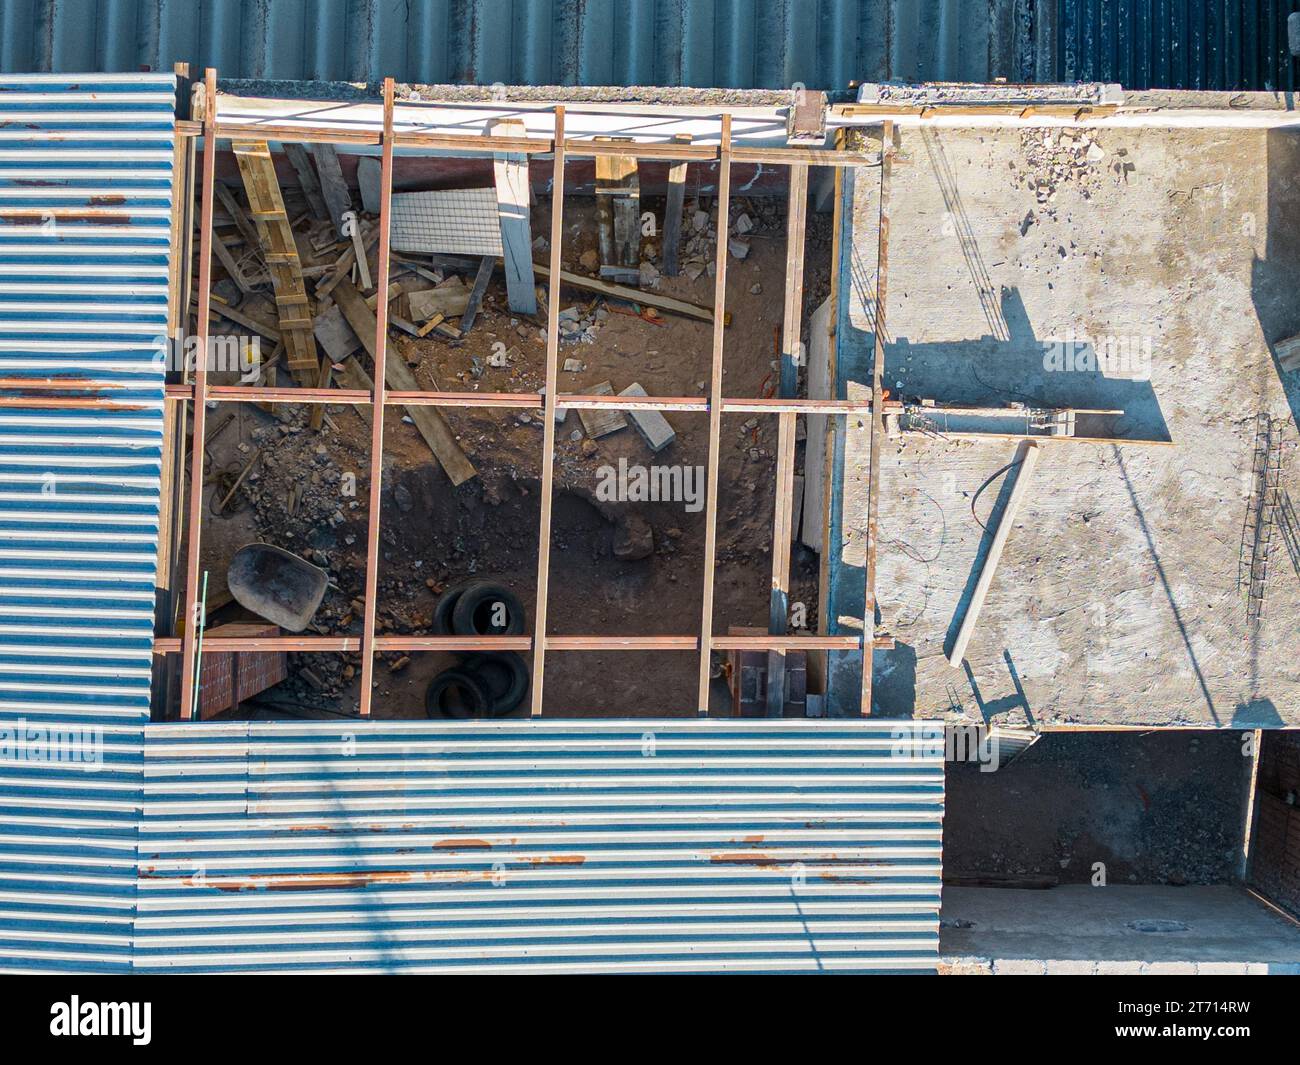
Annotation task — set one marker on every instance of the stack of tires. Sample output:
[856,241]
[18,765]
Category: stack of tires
[485,684]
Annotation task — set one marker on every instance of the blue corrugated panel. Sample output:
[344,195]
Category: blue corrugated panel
[740,44]
[85,205]
[563,846]
[1174,44]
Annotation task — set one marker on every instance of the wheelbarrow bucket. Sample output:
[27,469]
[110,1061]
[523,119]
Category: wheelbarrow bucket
[277,585]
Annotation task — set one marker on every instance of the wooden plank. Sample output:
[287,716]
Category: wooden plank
[480,290]
[877,444]
[598,423]
[238,215]
[1027,454]
[510,171]
[634,295]
[257,170]
[221,309]
[334,190]
[812,530]
[376,339]
[548,417]
[672,233]
[450,299]
[715,418]
[190,616]
[359,252]
[832,425]
[796,213]
[428,420]
[232,268]
[300,160]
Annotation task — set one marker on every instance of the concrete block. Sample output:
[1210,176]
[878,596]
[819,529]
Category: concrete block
[368,180]
[651,424]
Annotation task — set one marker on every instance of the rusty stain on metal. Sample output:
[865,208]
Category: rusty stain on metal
[325,881]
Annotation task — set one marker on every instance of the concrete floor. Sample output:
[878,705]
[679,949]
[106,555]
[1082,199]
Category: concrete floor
[1116,601]
[1000,930]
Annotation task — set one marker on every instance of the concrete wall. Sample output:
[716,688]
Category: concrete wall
[1274,868]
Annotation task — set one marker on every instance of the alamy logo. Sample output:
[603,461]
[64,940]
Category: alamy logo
[653,484]
[53,744]
[103,1018]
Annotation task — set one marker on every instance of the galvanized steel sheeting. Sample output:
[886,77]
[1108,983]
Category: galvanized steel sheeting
[607,846]
[81,301]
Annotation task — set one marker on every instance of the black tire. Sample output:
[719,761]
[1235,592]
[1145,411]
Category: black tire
[503,675]
[470,696]
[472,614]
[446,604]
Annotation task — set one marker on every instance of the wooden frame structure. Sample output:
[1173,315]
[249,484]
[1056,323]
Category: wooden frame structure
[785,406]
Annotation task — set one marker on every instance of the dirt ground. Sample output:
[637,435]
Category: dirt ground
[616,567]
[1156,808]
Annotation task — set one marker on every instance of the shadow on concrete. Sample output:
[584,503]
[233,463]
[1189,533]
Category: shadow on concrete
[1007,704]
[1258,713]
[1274,277]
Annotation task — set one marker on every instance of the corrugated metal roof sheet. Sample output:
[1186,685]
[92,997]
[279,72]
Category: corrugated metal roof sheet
[1172,44]
[702,43]
[81,300]
[591,846]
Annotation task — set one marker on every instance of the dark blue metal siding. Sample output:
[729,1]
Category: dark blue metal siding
[1178,44]
[701,43]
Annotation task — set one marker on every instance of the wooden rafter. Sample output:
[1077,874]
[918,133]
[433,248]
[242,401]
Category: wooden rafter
[877,443]
[377,422]
[189,665]
[715,419]
[548,418]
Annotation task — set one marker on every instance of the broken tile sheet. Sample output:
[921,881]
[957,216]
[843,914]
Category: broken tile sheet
[449,222]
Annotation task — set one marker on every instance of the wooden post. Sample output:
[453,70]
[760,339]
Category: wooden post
[511,172]
[189,663]
[877,419]
[1027,454]
[795,227]
[781,534]
[715,417]
[377,422]
[548,416]
[672,234]
[618,212]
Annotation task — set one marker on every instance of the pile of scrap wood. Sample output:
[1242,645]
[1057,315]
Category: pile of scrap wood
[298,268]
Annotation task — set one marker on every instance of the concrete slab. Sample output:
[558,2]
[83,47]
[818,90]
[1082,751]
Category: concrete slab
[1057,930]
[1014,268]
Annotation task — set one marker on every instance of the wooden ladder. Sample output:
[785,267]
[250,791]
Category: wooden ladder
[266,206]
